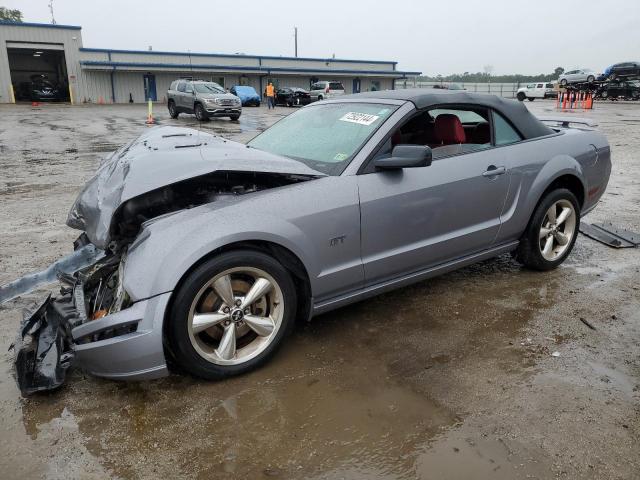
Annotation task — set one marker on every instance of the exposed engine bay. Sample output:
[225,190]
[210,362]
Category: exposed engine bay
[188,194]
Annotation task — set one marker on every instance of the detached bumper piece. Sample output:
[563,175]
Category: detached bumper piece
[610,235]
[43,347]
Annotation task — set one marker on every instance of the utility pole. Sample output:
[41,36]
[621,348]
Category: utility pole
[295,36]
[53,20]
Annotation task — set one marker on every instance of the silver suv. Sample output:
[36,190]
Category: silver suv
[204,99]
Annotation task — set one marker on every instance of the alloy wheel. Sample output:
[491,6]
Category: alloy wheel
[235,316]
[557,230]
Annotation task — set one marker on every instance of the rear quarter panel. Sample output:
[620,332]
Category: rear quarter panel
[535,164]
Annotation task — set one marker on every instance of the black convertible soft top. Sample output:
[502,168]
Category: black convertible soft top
[526,123]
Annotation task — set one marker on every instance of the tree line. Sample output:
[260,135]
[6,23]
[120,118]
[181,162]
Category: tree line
[486,77]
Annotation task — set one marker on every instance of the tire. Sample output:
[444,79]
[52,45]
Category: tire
[530,252]
[521,96]
[234,117]
[319,97]
[200,113]
[563,82]
[612,77]
[591,79]
[604,94]
[531,99]
[173,111]
[197,353]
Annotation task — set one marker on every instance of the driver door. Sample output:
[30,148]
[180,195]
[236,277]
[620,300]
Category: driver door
[416,218]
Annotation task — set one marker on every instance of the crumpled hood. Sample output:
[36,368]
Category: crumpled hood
[160,157]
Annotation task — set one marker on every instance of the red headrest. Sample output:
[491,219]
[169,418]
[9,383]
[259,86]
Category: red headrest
[448,129]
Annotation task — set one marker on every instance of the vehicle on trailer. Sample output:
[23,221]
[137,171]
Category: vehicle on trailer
[324,90]
[292,96]
[203,252]
[536,90]
[577,76]
[614,90]
[203,99]
[247,95]
[623,70]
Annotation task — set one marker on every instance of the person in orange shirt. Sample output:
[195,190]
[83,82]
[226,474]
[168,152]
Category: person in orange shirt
[271,96]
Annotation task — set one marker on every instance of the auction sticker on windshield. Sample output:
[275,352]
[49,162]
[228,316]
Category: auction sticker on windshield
[359,118]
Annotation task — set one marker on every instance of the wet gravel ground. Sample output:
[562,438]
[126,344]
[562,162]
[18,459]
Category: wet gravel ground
[450,378]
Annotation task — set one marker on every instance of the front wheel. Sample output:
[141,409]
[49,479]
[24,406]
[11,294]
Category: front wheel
[563,82]
[521,96]
[231,314]
[552,231]
[201,114]
[591,79]
[234,117]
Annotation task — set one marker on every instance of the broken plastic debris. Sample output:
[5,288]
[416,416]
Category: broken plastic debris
[555,354]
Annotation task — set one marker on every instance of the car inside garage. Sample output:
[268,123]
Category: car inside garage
[38,72]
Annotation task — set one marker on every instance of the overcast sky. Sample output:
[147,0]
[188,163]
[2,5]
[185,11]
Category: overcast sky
[436,36]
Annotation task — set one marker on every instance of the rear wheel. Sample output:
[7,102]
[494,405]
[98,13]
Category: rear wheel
[319,97]
[173,111]
[552,231]
[521,96]
[590,79]
[231,314]
[531,99]
[201,114]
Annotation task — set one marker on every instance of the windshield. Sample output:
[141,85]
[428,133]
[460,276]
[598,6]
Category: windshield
[245,90]
[208,88]
[324,137]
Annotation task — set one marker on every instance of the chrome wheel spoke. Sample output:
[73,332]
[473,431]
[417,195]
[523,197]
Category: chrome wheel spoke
[263,326]
[548,246]
[222,287]
[227,347]
[202,321]
[561,238]
[551,214]
[258,290]
[544,232]
[564,214]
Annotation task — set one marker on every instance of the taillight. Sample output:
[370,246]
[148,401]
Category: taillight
[326,90]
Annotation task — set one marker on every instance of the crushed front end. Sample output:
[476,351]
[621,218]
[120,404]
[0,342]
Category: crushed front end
[93,324]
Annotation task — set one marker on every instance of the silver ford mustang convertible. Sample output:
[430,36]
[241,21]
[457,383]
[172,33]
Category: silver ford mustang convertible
[199,253]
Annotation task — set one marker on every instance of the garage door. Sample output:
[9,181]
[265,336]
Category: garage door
[38,72]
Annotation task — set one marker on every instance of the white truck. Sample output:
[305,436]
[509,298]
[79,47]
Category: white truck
[536,90]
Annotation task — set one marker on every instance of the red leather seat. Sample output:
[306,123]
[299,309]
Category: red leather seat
[448,130]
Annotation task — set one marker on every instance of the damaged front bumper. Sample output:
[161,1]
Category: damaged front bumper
[122,341]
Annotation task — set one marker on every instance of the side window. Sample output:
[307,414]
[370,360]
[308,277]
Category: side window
[540,85]
[181,86]
[188,88]
[504,132]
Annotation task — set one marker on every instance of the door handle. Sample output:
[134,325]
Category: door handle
[493,171]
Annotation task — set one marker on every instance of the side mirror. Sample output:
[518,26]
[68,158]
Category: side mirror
[405,156]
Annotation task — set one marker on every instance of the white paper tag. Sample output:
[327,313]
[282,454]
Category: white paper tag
[359,118]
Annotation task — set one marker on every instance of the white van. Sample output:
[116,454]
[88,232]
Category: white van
[322,90]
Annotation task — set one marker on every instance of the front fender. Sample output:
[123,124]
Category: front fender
[168,248]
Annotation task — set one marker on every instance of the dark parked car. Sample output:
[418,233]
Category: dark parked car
[614,90]
[39,89]
[291,96]
[621,70]
[204,252]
